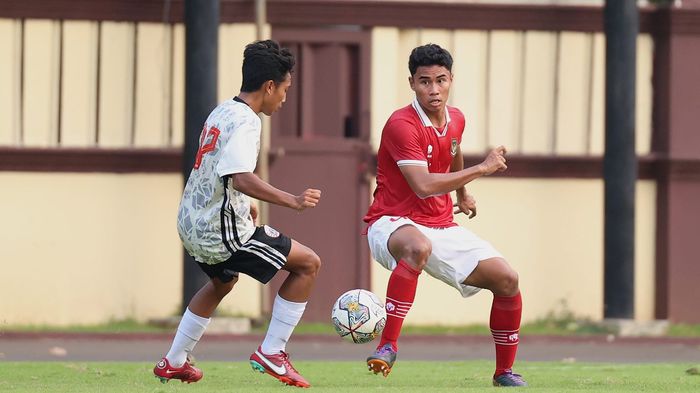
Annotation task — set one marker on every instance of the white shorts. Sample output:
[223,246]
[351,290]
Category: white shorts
[456,250]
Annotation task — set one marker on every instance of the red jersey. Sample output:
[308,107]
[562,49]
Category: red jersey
[409,138]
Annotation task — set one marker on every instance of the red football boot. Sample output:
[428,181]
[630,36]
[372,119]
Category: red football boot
[187,373]
[279,367]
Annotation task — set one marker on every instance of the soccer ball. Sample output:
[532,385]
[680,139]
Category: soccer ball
[358,316]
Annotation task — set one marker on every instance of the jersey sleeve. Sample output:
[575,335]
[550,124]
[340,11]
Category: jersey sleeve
[403,143]
[240,153]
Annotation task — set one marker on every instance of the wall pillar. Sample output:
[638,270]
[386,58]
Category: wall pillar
[676,143]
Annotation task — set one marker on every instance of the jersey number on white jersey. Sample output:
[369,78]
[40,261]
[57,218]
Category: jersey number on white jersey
[213,132]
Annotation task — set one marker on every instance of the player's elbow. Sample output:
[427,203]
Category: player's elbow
[422,191]
[236,182]
[424,185]
[422,195]
[240,182]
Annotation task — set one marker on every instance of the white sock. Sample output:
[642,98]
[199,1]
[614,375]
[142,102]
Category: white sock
[285,317]
[189,332]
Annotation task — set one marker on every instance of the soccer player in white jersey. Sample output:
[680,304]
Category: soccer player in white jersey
[216,221]
[411,224]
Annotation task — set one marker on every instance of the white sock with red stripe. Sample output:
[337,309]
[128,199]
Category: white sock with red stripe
[285,317]
[189,332]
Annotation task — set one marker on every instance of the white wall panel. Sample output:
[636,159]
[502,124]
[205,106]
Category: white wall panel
[116,94]
[504,90]
[177,120]
[10,81]
[644,102]
[573,93]
[42,48]
[597,120]
[469,86]
[539,95]
[153,70]
[79,83]
[384,80]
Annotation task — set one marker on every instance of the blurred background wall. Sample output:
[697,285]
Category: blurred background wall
[91,131]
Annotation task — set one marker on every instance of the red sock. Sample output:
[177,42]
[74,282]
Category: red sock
[400,293]
[505,326]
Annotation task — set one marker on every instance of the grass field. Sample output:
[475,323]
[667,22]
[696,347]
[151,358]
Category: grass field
[408,376]
[549,326]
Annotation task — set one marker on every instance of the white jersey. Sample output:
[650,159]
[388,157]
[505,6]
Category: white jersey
[214,219]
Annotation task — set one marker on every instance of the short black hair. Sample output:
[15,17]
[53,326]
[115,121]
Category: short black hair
[428,55]
[264,61]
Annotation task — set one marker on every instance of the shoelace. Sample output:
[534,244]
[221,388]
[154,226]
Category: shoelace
[187,367]
[515,376]
[285,359]
[385,349]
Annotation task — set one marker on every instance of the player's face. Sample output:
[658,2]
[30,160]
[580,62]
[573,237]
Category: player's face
[276,95]
[432,87]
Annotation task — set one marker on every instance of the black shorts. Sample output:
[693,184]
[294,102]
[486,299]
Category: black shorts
[260,257]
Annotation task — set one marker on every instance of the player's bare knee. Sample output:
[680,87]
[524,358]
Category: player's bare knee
[223,288]
[509,285]
[311,264]
[314,263]
[417,253]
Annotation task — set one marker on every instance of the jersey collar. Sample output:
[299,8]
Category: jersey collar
[426,121]
[238,99]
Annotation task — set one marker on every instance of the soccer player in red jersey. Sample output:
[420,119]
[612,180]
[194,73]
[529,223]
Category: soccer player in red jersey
[411,225]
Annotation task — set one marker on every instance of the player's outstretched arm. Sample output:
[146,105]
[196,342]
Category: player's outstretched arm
[426,184]
[253,186]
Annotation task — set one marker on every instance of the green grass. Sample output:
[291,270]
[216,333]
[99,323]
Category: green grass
[684,330]
[408,376]
[122,326]
[548,326]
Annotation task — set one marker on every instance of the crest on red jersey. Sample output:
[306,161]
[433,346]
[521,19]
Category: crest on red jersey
[453,147]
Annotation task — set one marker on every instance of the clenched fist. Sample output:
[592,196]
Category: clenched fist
[308,198]
[495,161]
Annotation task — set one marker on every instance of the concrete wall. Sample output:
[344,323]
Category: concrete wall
[535,93]
[87,248]
[140,73]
